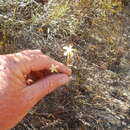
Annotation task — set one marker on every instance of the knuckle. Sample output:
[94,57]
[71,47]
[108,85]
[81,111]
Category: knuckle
[26,51]
[4,60]
[38,51]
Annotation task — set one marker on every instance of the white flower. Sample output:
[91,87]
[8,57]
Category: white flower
[68,50]
[54,68]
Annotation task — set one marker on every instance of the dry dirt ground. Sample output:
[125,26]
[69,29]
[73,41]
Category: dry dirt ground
[98,97]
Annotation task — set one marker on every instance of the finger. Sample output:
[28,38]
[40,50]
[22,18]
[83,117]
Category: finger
[43,87]
[34,60]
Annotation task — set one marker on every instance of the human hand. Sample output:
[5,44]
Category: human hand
[17,96]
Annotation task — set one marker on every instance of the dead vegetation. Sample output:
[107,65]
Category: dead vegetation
[98,96]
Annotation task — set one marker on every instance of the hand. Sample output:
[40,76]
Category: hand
[17,96]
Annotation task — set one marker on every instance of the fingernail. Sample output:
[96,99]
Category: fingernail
[70,71]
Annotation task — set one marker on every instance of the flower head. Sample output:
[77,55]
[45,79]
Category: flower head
[54,68]
[68,50]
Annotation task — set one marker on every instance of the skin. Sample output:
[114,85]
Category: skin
[17,96]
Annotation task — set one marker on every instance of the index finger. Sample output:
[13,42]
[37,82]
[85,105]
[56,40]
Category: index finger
[35,60]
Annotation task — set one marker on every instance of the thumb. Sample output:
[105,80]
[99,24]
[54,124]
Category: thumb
[43,87]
